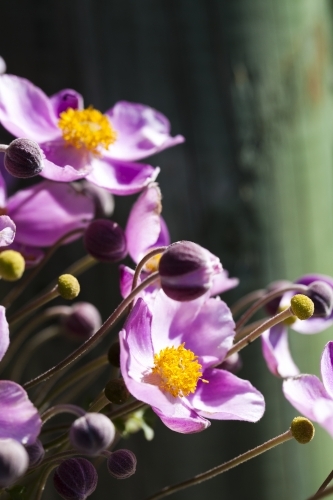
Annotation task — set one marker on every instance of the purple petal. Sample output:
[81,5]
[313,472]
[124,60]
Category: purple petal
[222,283]
[142,131]
[32,255]
[303,392]
[4,332]
[183,420]
[323,414]
[164,236]
[26,111]
[327,368]
[65,163]
[121,178]
[138,336]
[47,211]
[3,190]
[7,231]
[227,397]
[125,280]
[19,419]
[65,99]
[276,352]
[143,225]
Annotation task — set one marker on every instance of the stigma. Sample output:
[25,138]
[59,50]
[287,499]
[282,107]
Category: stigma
[87,128]
[178,370]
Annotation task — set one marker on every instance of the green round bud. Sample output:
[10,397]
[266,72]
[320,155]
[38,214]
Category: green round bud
[302,306]
[68,286]
[302,430]
[12,265]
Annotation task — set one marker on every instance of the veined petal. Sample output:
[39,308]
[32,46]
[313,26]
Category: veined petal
[7,230]
[121,178]
[142,131]
[276,352]
[227,397]
[19,419]
[327,368]
[65,163]
[222,283]
[25,110]
[323,414]
[4,332]
[64,99]
[183,419]
[303,392]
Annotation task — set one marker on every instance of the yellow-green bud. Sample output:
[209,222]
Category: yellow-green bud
[302,430]
[302,306]
[12,265]
[68,286]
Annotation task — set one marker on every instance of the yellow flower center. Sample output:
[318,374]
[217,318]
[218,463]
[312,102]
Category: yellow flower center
[152,265]
[87,128]
[178,370]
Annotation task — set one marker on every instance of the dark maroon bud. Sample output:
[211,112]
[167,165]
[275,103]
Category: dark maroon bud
[321,295]
[92,433]
[83,321]
[114,355]
[36,453]
[103,200]
[116,391]
[272,307]
[105,241]
[232,364]
[14,461]
[75,479]
[187,270]
[121,464]
[24,158]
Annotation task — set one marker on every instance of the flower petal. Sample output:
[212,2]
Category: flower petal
[121,178]
[227,397]
[4,332]
[47,211]
[222,283]
[125,280]
[276,352]
[64,99]
[25,110]
[19,419]
[303,392]
[327,368]
[7,231]
[143,224]
[323,414]
[183,420]
[65,163]
[142,131]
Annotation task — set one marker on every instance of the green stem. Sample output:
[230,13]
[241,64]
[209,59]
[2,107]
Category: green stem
[33,305]
[322,494]
[64,408]
[142,263]
[88,344]
[246,300]
[125,410]
[100,402]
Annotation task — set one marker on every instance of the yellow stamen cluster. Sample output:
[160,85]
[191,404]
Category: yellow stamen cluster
[87,128]
[152,265]
[178,370]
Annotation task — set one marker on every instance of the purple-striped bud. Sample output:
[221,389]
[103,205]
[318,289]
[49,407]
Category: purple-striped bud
[75,479]
[14,461]
[36,453]
[92,433]
[83,321]
[105,241]
[24,158]
[121,464]
[321,295]
[186,270]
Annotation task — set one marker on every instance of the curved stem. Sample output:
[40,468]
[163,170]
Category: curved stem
[43,480]
[88,344]
[142,262]
[100,402]
[267,298]
[32,306]
[224,467]
[124,410]
[321,494]
[65,408]
[246,300]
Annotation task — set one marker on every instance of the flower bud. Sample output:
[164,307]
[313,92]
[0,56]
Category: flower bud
[75,479]
[92,433]
[116,391]
[114,355]
[68,286]
[121,464]
[83,321]
[321,295]
[14,461]
[186,270]
[23,158]
[12,265]
[36,453]
[105,241]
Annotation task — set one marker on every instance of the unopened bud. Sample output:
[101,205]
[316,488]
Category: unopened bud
[321,295]
[116,391]
[23,158]
[114,355]
[302,306]
[68,286]
[14,461]
[302,430]
[83,321]
[105,240]
[121,464]
[92,433]
[36,453]
[75,479]
[186,270]
[12,265]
